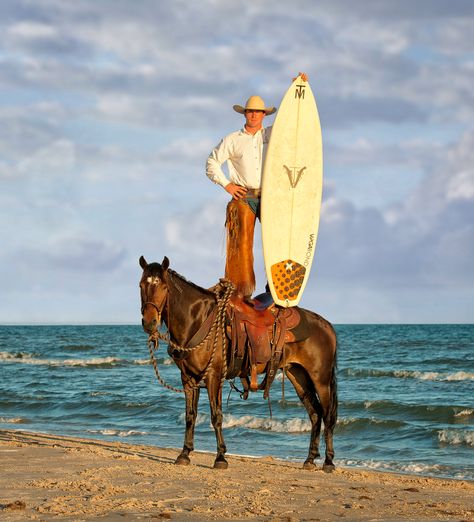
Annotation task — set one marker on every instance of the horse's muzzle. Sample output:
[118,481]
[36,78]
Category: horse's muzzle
[151,326]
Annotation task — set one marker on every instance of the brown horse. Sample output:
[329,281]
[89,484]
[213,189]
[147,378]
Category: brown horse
[184,308]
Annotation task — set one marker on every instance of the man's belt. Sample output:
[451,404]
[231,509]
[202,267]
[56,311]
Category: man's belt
[253,193]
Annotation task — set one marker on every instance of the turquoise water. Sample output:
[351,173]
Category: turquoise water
[406,396]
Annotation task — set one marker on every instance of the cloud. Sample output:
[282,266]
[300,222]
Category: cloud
[80,254]
[343,111]
[450,181]
[426,240]
[29,127]
[127,70]
[109,110]
[195,240]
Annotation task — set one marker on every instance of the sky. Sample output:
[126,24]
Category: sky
[110,108]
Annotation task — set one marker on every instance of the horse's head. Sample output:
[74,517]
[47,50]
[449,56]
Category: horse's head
[153,293]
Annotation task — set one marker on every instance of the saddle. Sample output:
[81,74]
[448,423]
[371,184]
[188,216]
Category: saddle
[258,332]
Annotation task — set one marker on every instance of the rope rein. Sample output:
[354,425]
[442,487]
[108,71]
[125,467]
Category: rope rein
[217,331]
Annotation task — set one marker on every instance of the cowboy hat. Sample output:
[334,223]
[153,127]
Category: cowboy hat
[254,103]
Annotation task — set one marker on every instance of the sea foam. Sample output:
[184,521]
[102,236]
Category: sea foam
[12,420]
[117,433]
[410,374]
[456,437]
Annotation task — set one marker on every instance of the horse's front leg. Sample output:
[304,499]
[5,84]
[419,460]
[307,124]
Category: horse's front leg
[192,399]
[214,390]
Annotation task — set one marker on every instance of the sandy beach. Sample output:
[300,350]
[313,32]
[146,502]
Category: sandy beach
[48,477]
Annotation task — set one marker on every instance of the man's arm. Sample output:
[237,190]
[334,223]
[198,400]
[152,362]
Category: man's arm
[214,172]
[217,157]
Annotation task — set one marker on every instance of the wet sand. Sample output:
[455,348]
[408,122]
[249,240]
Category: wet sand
[48,477]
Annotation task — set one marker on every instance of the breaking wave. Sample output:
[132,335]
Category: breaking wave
[104,362]
[452,437]
[464,413]
[117,433]
[257,423]
[295,425]
[409,374]
[12,420]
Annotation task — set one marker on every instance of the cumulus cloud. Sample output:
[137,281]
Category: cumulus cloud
[426,240]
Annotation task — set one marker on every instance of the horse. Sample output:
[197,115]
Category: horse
[184,308]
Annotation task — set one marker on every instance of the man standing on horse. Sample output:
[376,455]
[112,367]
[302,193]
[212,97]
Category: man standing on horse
[244,151]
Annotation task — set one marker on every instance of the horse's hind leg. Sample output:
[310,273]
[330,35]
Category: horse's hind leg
[328,397]
[305,389]
[192,399]
[214,390]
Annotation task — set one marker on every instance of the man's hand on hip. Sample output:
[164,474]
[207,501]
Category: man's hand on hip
[236,191]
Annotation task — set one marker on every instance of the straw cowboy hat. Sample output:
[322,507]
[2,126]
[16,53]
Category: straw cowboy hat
[254,103]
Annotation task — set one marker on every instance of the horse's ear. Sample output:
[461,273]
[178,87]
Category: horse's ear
[143,262]
[165,264]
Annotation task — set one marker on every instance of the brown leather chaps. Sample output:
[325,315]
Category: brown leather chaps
[240,224]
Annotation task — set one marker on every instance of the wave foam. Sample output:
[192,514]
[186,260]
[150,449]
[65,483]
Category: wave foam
[12,420]
[295,425]
[18,356]
[411,374]
[464,413]
[456,437]
[25,358]
[141,362]
[460,376]
[117,433]
[257,423]
[252,422]
[95,361]
[412,468]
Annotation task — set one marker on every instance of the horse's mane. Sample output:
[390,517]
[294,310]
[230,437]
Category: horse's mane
[189,283]
[157,269]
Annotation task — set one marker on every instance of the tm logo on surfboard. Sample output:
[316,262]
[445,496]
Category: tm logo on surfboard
[294,174]
[299,91]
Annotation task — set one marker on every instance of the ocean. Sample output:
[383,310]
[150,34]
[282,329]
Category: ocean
[406,396]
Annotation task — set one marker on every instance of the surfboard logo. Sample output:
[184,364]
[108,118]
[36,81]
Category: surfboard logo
[299,91]
[287,277]
[307,257]
[294,174]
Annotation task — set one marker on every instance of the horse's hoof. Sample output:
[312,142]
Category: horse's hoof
[221,464]
[182,461]
[309,465]
[328,468]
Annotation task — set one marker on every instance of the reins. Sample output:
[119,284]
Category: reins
[217,330]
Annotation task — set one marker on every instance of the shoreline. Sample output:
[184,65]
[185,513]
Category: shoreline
[51,477]
[112,438]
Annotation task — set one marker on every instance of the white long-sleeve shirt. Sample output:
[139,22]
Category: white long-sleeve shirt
[244,153]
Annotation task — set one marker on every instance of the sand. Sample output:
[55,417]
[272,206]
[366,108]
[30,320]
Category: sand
[48,477]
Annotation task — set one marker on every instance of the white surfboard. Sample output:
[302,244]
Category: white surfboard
[291,194]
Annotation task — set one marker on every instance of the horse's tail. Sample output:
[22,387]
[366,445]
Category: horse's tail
[332,417]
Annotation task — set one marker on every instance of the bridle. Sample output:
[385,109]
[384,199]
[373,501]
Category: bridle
[216,332]
[158,307]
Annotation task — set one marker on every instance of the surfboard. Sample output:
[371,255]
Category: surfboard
[291,194]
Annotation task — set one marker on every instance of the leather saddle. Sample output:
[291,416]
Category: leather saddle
[258,331]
